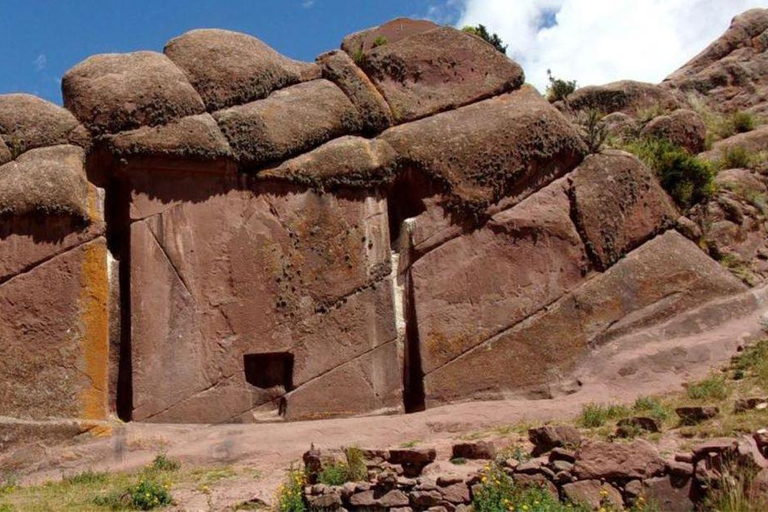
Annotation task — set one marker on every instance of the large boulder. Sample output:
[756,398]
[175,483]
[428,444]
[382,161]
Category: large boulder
[504,146]
[28,122]
[438,70]
[661,278]
[682,127]
[54,354]
[359,43]
[617,461]
[289,122]
[617,204]
[339,68]
[115,92]
[46,181]
[627,96]
[229,68]
[473,287]
[346,162]
[192,137]
[730,74]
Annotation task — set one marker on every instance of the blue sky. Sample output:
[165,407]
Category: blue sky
[41,39]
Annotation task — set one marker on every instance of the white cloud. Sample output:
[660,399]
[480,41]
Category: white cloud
[600,41]
[308,4]
[41,62]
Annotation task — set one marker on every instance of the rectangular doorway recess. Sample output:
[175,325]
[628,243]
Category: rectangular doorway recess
[267,371]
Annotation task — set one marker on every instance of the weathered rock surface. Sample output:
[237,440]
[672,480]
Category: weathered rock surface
[194,136]
[5,153]
[290,121]
[752,142]
[593,494]
[229,68]
[437,70]
[617,461]
[339,68]
[636,292]
[682,127]
[730,74]
[47,181]
[28,122]
[618,204]
[357,44]
[115,92]
[496,148]
[626,96]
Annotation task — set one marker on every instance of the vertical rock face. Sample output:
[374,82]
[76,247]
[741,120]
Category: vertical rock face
[401,224]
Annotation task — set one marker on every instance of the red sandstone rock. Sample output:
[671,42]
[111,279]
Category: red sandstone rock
[753,142]
[682,127]
[340,69]
[194,136]
[5,153]
[500,147]
[28,122]
[475,450]
[593,494]
[359,43]
[288,122]
[49,181]
[625,96]
[548,437]
[229,68]
[437,70]
[618,204]
[617,461]
[669,493]
[115,92]
[730,74]
[635,292]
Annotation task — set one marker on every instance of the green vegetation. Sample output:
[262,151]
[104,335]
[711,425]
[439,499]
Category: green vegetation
[713,387]
[290,496]
[687,179]
[653,407]
[593,130]
[163,463]
[596,415]
[147,494]
[352,470]
[410,444]
[558,89]
[459,461]
[732,492]
[743,122]
[492,39]
[735,157]
[379,41]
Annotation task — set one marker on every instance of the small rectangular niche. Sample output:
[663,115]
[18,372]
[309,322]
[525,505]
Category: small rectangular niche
[267,371]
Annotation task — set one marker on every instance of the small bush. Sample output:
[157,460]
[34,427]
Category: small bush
[711,388]
[7,483]
[753,362]
[731,493]
[163,463]
[593,130]
[149,494]
[736,157]
[596,415]
[338,473]
[290,496]
[492,39]
[559,89]
[379,41]
[86,478]
[743,122]
[686,178]
[651,406]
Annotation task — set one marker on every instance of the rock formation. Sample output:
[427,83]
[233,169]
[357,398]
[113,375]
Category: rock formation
[218,233]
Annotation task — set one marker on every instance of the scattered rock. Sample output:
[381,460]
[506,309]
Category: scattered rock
[549,437]
[593,494]
[474,450]
[629,427]
[617,461]
[696,414]
[748,404]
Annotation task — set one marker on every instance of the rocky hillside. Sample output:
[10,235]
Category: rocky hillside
[217,233]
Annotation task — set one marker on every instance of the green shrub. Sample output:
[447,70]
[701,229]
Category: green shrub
[459,461]
[652,407]
[492,39]
[735,157]
[7,483]
[559,90]
[163,463]
[353,469]
[743,122]
[497,493]
[87,477]
[593,130]
[379,41]
[713,387]
[596,415]
[290,496]
[754,362]
[149,494]
[686,178]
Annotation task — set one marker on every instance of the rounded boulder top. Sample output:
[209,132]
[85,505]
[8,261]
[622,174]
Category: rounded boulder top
[230,68]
